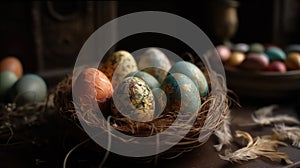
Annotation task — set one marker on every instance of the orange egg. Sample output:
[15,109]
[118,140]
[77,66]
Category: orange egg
[12,64]
[92,86]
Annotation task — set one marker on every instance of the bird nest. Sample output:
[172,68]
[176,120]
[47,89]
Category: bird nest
[210,117]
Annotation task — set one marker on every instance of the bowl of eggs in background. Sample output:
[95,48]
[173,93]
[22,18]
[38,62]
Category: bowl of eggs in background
[259,72]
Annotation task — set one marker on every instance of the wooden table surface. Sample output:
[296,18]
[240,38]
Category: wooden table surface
[55,138]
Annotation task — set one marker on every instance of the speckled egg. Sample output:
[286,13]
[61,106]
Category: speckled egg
[29,88]
[117,66]
[146,77]
[7,79]
[293,61]
[182,94]
[134,99]
[255,61]
[155,62]
[236,59]
[12,64]
[277,66]
[93,85]
[160,101]
[194,73]
[241,47]
[275,54]
[224,52]
[256,48]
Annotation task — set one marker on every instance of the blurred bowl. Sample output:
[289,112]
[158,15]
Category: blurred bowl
[264,85]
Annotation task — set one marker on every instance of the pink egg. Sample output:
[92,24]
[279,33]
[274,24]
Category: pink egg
[277,66]
[224,52]
[255,61]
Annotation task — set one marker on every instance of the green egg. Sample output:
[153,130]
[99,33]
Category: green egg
[182,94]
[257,48]
[30,88]
[146,77]
[194,73]
[7,79]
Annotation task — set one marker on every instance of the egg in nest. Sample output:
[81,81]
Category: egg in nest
[192,72]
[134,99]
[117,66]
[182,94]
[155,62]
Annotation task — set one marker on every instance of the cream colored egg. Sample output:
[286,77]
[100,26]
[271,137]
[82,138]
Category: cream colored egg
[117,66]
[155,62]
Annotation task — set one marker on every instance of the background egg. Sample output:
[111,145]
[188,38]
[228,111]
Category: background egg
[224,52]
[93,85]
[12,64]
[293,48]
[275,54]
[154,62]
[293,61]
[194,73]
[256,48]
[255,61]
[277,66]
[134,99]
[236,59]
[182,94]
[30,88]
[146,77]
[117,66]
[241,47]
[7,79]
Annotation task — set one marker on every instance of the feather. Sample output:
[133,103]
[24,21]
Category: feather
[264,146]
[224,133]
[288,133]
[264,116]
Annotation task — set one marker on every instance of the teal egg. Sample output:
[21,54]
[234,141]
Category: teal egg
[256,48]
[275,54]
[160,101]
[194,73]
[146,77]
[7,78]
[30,88]
[182,94]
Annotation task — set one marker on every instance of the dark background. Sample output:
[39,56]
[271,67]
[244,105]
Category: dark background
[49,45]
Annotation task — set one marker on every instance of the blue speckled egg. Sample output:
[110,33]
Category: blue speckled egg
[134,99]
[275,54]
[7,80]
[155,62]
[160,101]
[182,94]
[194,73]
[146,77]
[30,88]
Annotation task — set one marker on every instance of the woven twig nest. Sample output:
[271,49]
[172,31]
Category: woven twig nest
[210,117]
